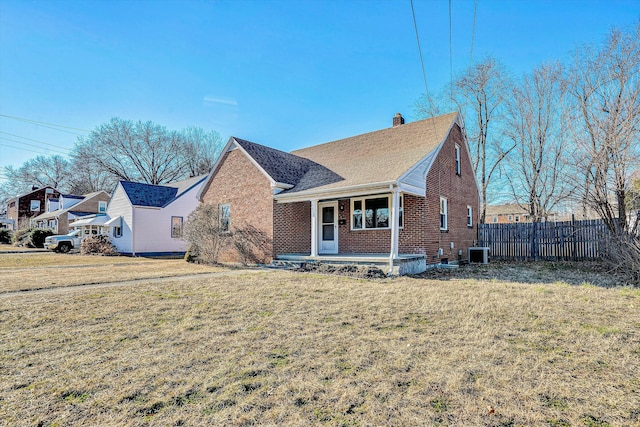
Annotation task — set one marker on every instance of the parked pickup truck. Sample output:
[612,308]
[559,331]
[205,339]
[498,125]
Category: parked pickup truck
[64,243]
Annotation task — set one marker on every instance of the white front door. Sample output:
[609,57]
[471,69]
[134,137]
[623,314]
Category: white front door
[328,228]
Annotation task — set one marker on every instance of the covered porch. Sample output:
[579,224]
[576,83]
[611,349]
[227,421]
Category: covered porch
[401,264]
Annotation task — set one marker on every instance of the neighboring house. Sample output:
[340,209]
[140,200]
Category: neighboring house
[506,214]
[405,195]
[21,209]
[72,208]
[144,219]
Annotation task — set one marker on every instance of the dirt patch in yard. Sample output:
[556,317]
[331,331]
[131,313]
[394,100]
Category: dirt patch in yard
[572,273]
[350,270]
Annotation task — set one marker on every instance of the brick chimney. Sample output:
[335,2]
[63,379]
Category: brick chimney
[398,120]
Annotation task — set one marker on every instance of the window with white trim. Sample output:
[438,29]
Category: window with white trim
[224,216]
[517,219]
[444,216]
[373,212]
[102,207]
[495,219]
[469,216]
[117,231]
[35,205]
[457,159]
[176,227]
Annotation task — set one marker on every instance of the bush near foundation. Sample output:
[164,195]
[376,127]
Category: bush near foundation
[31,237]
[97,245]
[5,236]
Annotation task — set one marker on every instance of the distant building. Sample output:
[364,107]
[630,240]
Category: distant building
[22,209]
[506,214]
[69,208]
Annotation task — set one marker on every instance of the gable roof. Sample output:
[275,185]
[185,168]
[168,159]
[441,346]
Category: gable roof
[158,196]
[33,191]
[378,158]
[71,209]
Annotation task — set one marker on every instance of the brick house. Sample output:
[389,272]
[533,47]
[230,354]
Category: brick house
[70,208]
[405,196]
[23,208]
[506,213]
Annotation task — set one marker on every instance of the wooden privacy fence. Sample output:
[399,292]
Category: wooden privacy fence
[570,240]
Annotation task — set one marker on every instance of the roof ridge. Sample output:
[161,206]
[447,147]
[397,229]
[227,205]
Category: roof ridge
[362,135]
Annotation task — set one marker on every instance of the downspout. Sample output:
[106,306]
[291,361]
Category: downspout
[395,205]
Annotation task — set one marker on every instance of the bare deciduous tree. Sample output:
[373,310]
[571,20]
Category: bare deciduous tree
[40,171]
[480,95]
[201,149]
[536,168]
[605,86]
[140,151]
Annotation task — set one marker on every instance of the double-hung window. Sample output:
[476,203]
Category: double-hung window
[469,216]
[224,216]
[457,159]
[373,213]
[176,227]
[444,216]
[102,207]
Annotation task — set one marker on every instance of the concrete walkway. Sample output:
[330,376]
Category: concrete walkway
[62,289]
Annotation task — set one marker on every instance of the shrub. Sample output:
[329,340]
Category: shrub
[5,236]
[251,244]
[21,237]
[97,244]
[31,237]
[202,230]
[37,236]
[623,256]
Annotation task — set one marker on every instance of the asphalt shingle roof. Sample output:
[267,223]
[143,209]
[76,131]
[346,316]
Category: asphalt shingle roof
[380,156]
[157,196]
[288,168]
[148,195]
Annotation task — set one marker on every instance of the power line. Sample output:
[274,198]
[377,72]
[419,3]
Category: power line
[31,145]
[424,74]
[22,119]
[473,33]
[20,148]
[35,140]
[450,56]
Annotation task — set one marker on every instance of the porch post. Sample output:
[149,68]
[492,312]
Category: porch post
[395,210]
[314,228]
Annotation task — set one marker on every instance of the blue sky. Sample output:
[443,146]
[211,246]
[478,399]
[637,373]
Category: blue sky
[287,74]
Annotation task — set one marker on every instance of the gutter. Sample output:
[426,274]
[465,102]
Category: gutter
[346,191]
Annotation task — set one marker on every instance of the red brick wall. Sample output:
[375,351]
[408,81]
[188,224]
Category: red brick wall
[292,228]
[421,233]
[248,192]
[460,191]
[360,241]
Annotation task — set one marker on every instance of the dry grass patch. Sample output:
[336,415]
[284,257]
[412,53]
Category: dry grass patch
[19,272]
[300,349]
